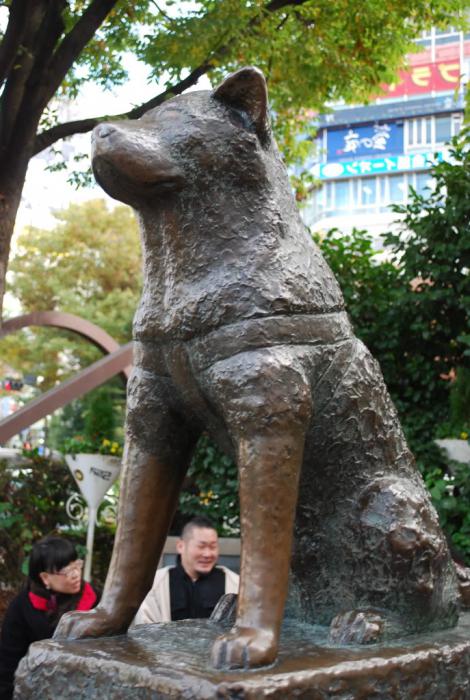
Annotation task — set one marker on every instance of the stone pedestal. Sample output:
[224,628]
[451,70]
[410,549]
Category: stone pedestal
[172,660]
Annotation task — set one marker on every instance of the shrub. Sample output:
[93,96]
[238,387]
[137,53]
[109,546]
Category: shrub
[211,488]
[33,504]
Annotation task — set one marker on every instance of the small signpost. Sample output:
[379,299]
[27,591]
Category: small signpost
[94,475]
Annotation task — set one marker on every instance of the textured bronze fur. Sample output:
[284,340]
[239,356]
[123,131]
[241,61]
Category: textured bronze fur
[241,331]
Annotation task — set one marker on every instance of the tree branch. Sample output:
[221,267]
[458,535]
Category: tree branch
[176,89]
[13,36]
[42,80]
[55,133]
[46,39]
[21,67]
[82,126]
[74,43]
[164,14]
[275,5]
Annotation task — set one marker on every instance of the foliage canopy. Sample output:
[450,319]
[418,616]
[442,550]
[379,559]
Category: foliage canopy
[311,51]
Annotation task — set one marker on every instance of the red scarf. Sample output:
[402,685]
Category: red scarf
[86,601]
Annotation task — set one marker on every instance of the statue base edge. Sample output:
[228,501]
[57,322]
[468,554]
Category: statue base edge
[172,660]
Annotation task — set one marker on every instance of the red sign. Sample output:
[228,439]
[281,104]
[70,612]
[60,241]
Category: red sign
[427,77]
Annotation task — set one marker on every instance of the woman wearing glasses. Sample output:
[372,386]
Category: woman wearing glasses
[54,586]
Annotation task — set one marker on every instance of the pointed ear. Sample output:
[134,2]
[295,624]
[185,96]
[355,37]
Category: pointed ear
[246,89]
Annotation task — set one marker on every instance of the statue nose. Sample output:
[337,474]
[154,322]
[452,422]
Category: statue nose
[104,130]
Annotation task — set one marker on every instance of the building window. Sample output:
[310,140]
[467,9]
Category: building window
[329,196]
[424,39]
[457,123]
[367,192]
[418,132]
[396,189]
[369,195]
[429,132]
[422,183]
[435,38]
[443,128]
[342,194]
[448,36]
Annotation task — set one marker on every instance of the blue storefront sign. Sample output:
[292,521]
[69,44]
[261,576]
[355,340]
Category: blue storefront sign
[365,140]
[377,166]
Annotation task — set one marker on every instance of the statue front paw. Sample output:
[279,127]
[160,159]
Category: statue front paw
[92,623]
[244,647]
[356,627]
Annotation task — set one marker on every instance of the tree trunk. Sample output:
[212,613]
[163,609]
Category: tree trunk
[12,180]
[36,51]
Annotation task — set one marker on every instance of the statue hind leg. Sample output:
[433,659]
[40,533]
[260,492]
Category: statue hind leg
[369,552]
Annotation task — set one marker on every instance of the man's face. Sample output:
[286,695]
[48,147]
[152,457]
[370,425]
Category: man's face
[199,551]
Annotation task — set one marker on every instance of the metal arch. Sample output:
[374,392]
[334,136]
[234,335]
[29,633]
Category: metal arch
[118,359]
[69,322]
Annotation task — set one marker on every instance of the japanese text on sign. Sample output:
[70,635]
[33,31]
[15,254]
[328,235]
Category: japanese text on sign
[378,140]
[365,140]
[444,75]
[376,166]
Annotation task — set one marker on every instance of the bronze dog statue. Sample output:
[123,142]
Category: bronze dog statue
[241,331]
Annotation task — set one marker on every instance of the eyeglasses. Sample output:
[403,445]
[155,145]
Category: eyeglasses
[74,568]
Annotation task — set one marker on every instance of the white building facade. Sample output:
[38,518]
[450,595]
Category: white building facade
[369,156]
